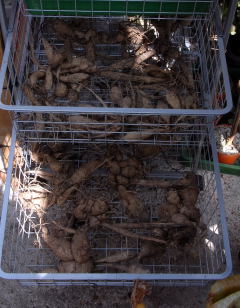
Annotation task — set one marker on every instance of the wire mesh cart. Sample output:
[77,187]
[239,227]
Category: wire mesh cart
[164,106]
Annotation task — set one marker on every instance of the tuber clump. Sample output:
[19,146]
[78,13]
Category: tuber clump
[89,207]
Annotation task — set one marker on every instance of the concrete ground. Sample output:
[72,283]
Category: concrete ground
[13,295]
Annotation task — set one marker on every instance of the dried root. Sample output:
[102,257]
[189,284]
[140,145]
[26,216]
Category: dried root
[61,247]
[89,207]
[55,58]
[35,77]
[61,90]
[133,205]
[87,216]
[149,61]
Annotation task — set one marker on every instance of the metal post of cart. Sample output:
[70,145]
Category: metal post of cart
[229,21]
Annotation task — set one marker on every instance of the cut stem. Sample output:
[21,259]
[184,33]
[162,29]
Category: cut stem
[66,229]
[149,225]
[132,234]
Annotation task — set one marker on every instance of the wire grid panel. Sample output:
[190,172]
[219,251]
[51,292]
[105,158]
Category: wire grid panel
[23,258]
[55,8]
[202,57]
[57,128]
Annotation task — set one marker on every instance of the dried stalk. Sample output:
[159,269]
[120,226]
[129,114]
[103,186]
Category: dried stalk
[127,77]
[66,229]
[117,257]
[97,97]
[132,234]
[144,56]
[149,225]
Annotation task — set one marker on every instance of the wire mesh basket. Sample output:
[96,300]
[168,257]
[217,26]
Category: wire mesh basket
[25,259]
[197,38]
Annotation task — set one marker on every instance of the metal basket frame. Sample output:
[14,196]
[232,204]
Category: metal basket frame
[218,266]
[214,76]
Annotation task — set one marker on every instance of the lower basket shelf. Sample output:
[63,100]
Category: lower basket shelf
[24,255]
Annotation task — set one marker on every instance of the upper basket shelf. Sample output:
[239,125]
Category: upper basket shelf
[173,64]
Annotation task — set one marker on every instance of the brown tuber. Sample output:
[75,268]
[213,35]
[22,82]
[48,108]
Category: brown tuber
[167,210]
[63,28]
[132,204]
[83,172]
[114,167]
[74,78]
[28,92]
[61,90]
[192,213]
[189,196]
[80,246]
[149,249]
[189,180]
[131,269]
[117,257]
[55,58]
[116,95]
[90,207]
[72,96]
[65,195]
[126,102]
[77,64]
[60,247]
[129,171]
[180,219]
[173,197]
[134,78]
[48,79]
[122,180]
[35,76]
[54,164]
[173,100]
